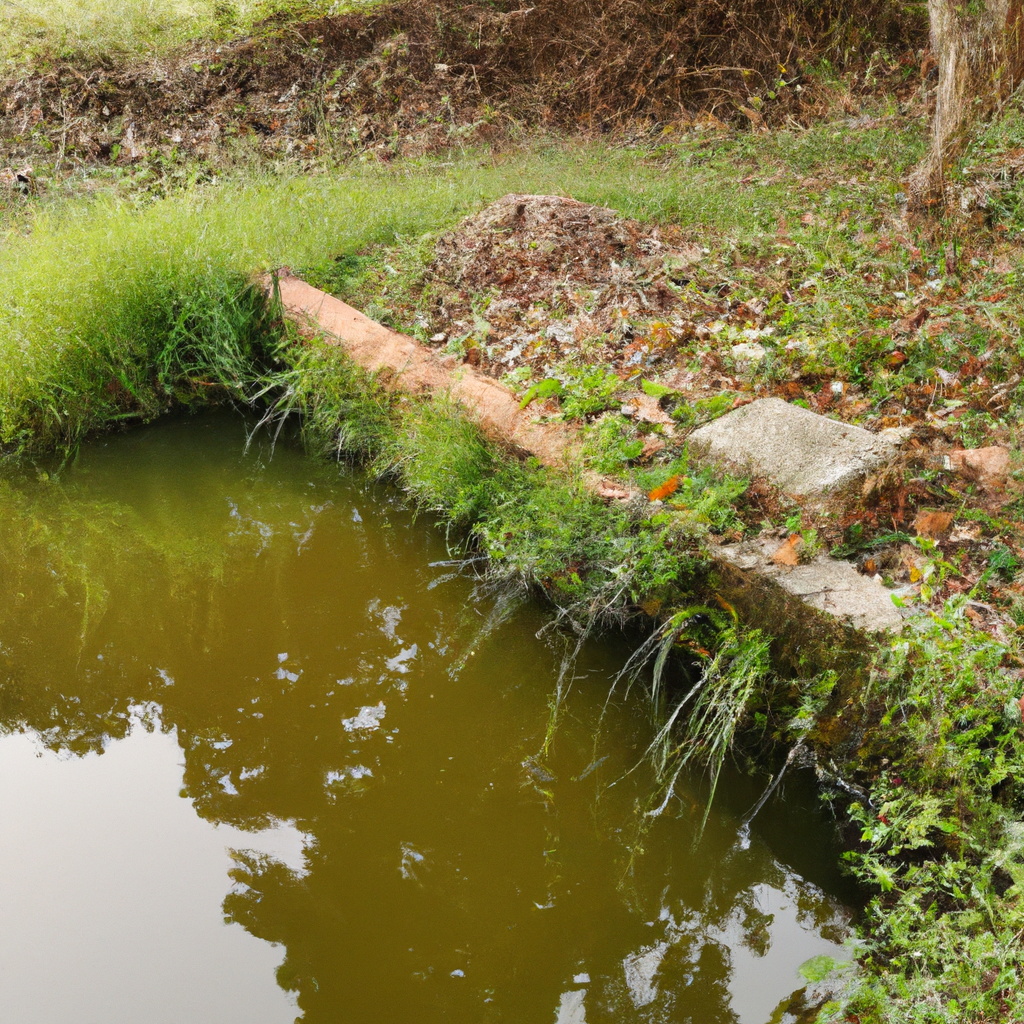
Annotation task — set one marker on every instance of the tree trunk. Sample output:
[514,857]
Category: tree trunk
[979,46]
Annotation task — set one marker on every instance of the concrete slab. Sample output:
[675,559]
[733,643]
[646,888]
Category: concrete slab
[802,453]
[825,584]
[415,368]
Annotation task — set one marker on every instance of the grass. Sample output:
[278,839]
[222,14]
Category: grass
[130,267]
[135,279]
[806,226]
[539,530]
[940,837]
[92,29]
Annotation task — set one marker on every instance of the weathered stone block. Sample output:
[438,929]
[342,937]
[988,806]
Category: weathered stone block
[825,584]
[799,451]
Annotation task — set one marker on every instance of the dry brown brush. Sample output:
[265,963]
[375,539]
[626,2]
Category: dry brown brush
[419,73]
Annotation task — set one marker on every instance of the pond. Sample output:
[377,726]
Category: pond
[267,754]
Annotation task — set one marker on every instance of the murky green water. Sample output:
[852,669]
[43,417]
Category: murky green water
[261,758]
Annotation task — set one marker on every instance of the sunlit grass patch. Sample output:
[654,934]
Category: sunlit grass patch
[101,299]
[94,28]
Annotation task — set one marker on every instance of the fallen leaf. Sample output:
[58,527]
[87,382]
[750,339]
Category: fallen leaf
[789,552]
[670,486]
[911,323]
[966,532]
[654,389]
[933,525]
[652,446]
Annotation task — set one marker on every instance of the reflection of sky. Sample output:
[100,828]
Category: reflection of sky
[763,977]
[767,936]
[110,894]
[116,877]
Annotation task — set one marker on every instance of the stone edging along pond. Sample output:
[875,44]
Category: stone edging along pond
[832,588]
[915,731]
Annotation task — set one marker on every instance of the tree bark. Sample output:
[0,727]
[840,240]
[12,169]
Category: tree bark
[979,46]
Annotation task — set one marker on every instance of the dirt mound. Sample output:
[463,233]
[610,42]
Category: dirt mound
[531,279]
[420,75]
[531,246]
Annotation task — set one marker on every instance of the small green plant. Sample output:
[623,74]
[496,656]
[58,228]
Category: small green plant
[943,856]
[934,572]
[1003,561]
[581,390]
[611,445]
[811,546]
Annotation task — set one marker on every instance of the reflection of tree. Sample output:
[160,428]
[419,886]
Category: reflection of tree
[254,656]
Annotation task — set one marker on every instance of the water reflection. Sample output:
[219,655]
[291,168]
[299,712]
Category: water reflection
[110,905]
[281,630]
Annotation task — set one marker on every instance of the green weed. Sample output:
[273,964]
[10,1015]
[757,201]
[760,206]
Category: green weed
[940,837]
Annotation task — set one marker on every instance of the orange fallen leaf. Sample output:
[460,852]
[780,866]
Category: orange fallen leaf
[670,486]
[789,553]
[933,524]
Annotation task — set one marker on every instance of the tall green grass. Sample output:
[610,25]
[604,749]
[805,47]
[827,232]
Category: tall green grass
[105,303]
[97,292]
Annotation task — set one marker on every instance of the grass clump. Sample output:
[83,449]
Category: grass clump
[154,299]
[539,530]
